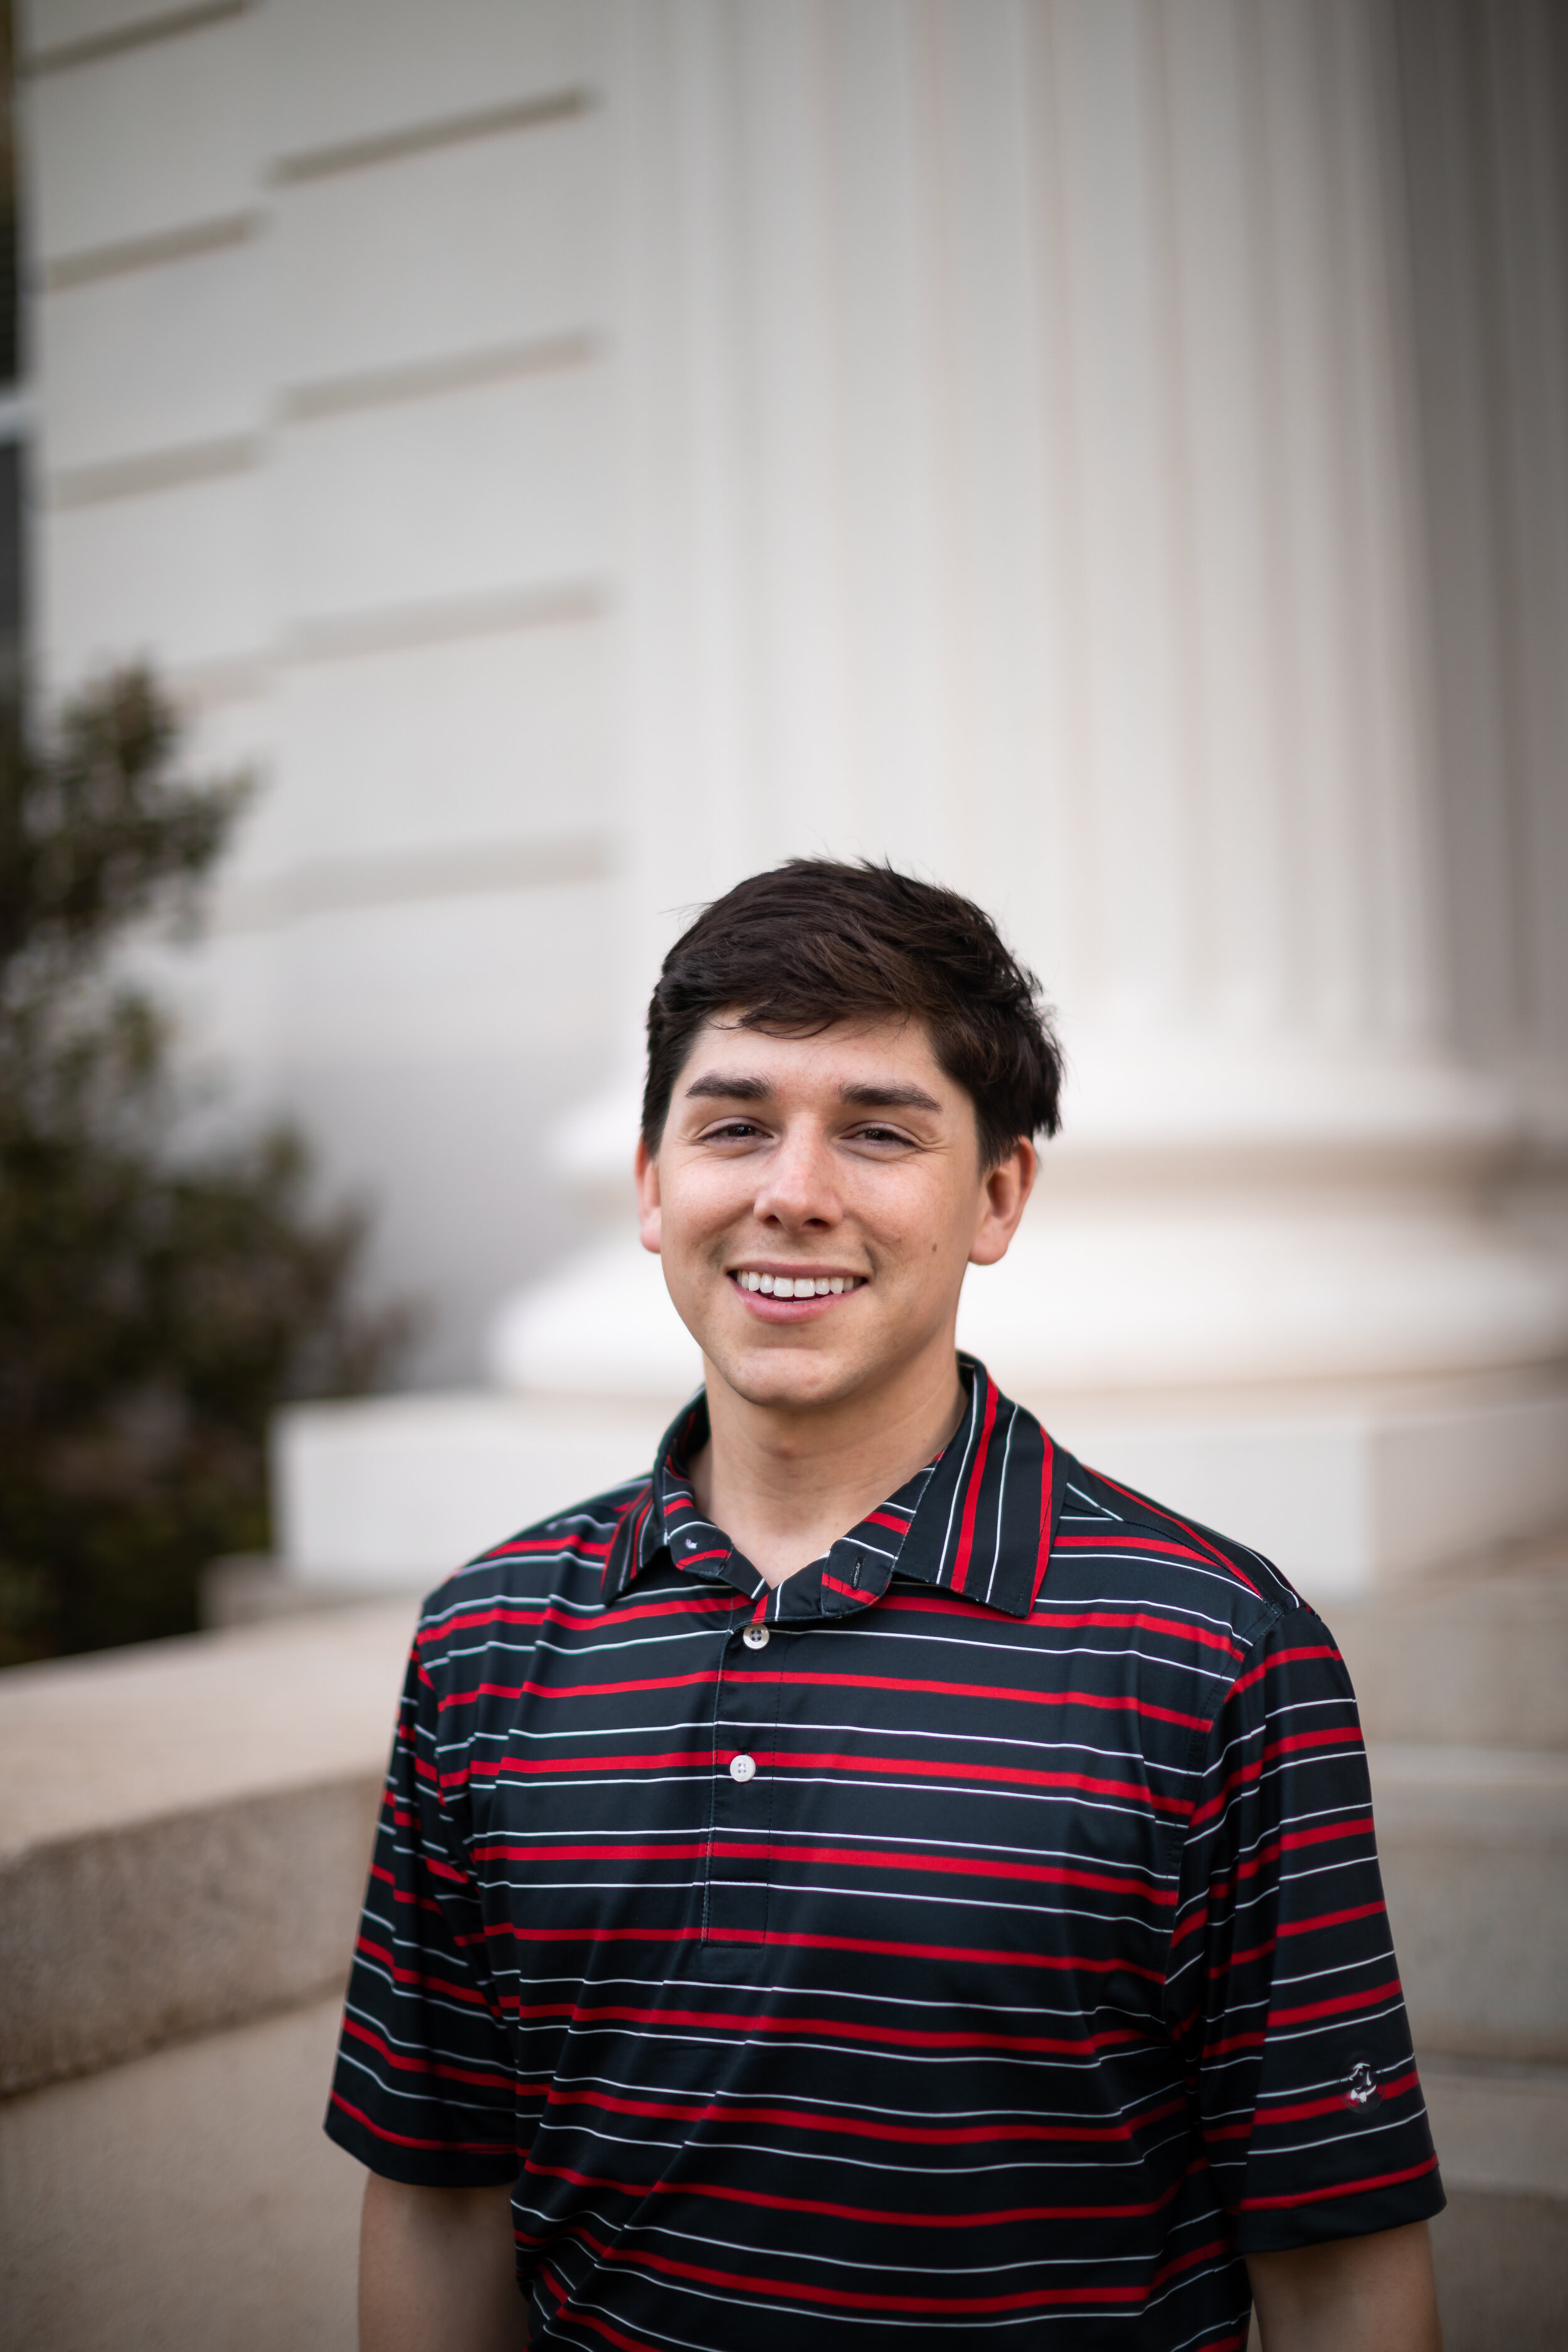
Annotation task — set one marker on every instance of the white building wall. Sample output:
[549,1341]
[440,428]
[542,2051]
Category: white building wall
[325,337]
[584,449]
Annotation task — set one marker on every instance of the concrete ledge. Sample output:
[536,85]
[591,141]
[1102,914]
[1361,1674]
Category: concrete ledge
[1479,1657]
[1500,2130]
[395,1492]
[382,1492]
[1347,1499]
[187,1832]
[114,1943]
[188,2201]
[1502,2272]
[1474,1848]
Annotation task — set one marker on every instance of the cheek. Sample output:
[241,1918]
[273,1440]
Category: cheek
[701,1202]
[918,1223]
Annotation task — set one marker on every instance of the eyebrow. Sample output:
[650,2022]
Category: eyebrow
[877,1095]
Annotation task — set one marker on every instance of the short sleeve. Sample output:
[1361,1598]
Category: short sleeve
[424,2088]
[1283,1993]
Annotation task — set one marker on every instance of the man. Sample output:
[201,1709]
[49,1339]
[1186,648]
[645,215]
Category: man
[873,1881]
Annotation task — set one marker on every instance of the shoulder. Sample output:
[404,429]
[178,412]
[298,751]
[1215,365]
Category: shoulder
[507,1595]
[1123,1547]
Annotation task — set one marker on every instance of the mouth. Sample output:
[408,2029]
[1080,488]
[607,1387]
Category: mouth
[791,1296]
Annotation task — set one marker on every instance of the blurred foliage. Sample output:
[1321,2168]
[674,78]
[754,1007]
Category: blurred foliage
[155,1305]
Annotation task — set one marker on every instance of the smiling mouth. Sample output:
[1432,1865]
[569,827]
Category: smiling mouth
[795,1286]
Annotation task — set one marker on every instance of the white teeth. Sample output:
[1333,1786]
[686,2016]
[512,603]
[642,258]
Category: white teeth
[803,1285]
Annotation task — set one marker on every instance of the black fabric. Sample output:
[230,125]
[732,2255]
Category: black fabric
[1034,1969]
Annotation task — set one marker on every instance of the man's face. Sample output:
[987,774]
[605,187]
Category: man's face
[848,1160]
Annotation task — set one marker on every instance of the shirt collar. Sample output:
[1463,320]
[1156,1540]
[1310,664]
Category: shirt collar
[979,1520]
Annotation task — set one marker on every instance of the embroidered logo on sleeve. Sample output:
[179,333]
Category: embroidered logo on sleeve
[1361,2086]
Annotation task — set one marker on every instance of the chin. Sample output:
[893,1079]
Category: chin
[779,1376]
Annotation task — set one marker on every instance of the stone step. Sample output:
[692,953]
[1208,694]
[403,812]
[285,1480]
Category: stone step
[193,1786]
[1477,1659]
[1501,2247]
[1500,2130]
[1474,1848]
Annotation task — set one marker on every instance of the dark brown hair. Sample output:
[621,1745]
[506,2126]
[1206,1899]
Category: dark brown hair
[816,942]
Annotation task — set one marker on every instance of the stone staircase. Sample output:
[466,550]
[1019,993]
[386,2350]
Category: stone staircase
[1463,1683]
[150,1983]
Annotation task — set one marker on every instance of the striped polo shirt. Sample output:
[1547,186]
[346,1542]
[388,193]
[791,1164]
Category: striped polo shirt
[978,1939]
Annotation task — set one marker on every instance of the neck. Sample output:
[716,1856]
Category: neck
[784,1485]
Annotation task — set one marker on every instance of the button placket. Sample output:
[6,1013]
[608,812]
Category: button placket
[738,1869]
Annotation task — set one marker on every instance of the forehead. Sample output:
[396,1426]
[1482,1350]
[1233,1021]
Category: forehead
[849,1053]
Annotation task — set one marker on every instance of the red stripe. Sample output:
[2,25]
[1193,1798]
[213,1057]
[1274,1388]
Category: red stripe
[972,1497]
[582,1767]
[1339,2007]
[572,1690]
[750,2024]
[1048,1484]
[1119,1705]
[849,2299]
[1333,2106]
[675,1604]
[814,1856]
[859,2127]
[1006,1776]
[1144,1621]
[602,2327]
[1332,1920]
[489,2076]
[984,1690]
[878,2215]
[1203,1549]
[448,1986]
[1274,1658]
[548,1544]
[1062,1963]
[403,2139]
[1338,2188]
[1348,1737]
[1360,1827]
[939,1602]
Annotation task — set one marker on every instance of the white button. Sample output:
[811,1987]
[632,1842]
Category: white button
[742,1768]
[755,1637]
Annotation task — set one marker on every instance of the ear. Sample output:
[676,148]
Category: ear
[649,1214]
[1004,1196]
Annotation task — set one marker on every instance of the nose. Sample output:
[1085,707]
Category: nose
[799,1189]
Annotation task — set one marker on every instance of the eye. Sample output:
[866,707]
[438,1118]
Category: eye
[879,1135]
[731,1130]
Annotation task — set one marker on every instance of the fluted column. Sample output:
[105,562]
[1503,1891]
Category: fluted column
[1026,482]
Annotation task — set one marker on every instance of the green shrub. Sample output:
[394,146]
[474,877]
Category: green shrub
[156,1304]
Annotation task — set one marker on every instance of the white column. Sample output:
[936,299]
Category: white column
[1024,482]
